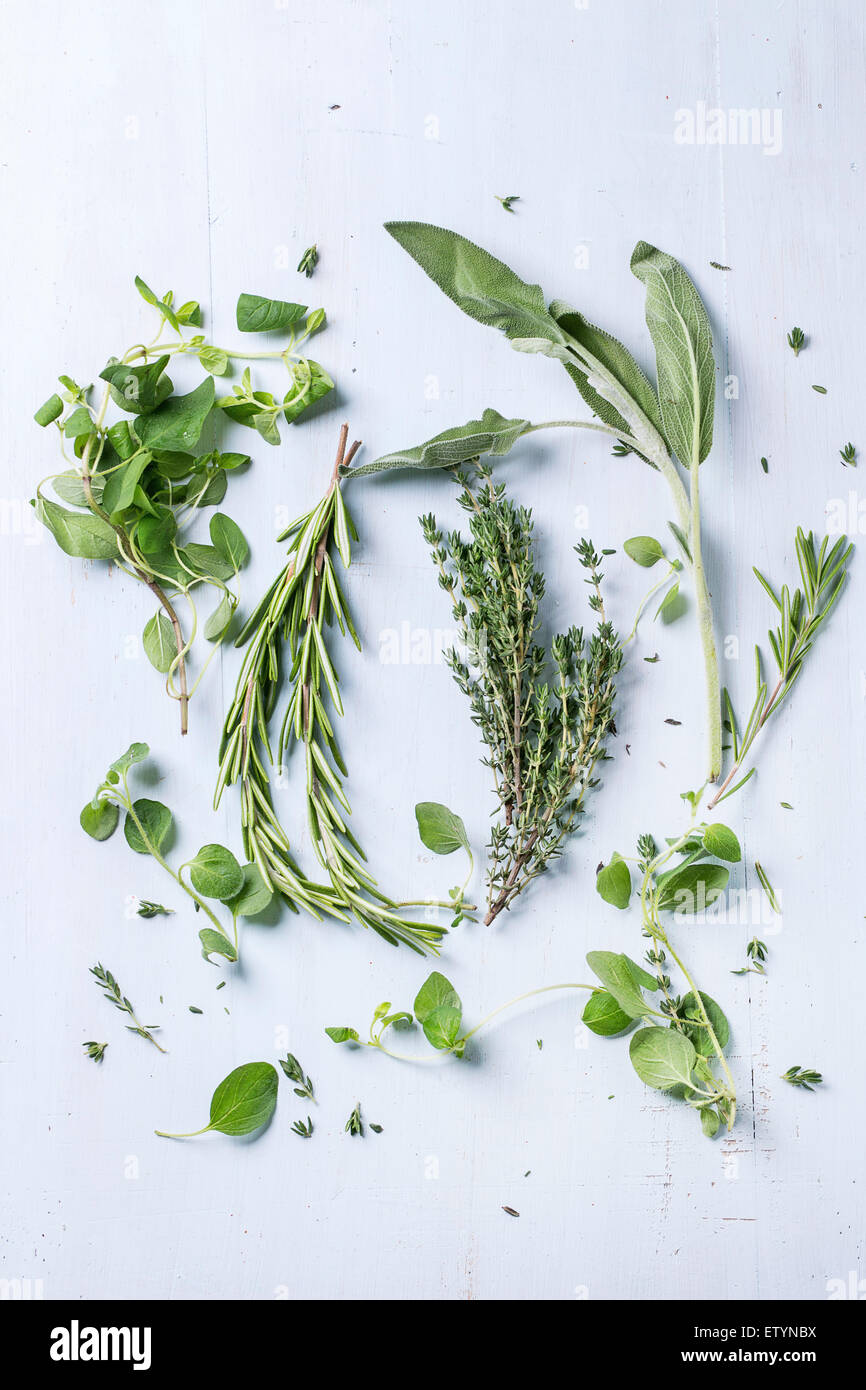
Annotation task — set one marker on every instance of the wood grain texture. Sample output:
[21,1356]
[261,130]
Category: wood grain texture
[203,147]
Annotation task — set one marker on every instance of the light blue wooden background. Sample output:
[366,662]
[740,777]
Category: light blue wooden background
[203,146]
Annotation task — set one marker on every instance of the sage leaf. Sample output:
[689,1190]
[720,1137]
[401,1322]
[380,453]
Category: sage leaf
[257,314]
[492,434]
[99,819]
[158,641]
[215,873]
[613,883]
[440,829]
[662,1058]
[229,540]
[683,340]
[49,411]
[341,1035]
[623,979]
[86,536]
[242,1103]
[138,390]
[213,943]
[691,887]
[479,284]
[442,1026]
[603,1015]
[178,422]
[156,820]
[723,843]
[254,895]
[435,992]
[631,385]
[698,1032]
[644,550]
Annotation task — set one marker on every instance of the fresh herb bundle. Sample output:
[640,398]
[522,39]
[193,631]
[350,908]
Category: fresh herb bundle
[670,428]
[137,485]
[545,723]
[288,645]
[215,874]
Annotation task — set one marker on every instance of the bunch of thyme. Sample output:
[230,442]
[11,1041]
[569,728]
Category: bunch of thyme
[545,732]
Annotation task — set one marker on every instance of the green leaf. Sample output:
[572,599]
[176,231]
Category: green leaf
[229,540]
[156,820]
[215,873]
[631,383]
[84,535]
[613,883]
[709,1121]
[254,896]
[70,488]
[602,1015]
[723,843]
[311,384]
[623,979]
[122,438]
[492,434]
[341,1035]
[265,423]
[135,753]
[245,1100]
[442,1026]
[256,314]
[178,422]
[79,423]
[228,462]
[158,641]
[206,559]
[218,622]
[697,1032]
[99,820]
[49,411]
[214,360]
[644,550]
[120,487]
[662,1058]
[138,390]
[479,284]
[436,991]
[155,533]
[680,329]
[440,829]
[672,605]
[213,943]
[691,888]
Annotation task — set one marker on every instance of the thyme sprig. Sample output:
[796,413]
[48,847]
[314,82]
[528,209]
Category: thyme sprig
[545,729]
[113,993]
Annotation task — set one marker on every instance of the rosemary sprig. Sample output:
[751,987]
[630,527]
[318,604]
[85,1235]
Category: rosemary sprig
[545,734]
[303,601]
[801,614]
[112,991]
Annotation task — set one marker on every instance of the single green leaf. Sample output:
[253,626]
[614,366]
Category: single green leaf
[122,438]
[630,384]
[78,424]
[228,462]
[434,992]
[709,1121]
[138,390]
[479,284]
[672,605]
[613,883]
[683,340]
[644,550]
[254,896]
[341,1035]
[245,1100]
[442,1026]
[214,492]
[178,422]
[622,979]
[158,641]
[440,829]
[214,360]
[602,1015]
[49,411]
[206,559]
[219,619]
[157,532]
[83,535]
[311,384]
[70,488]
[135,753]
[723,843]
[492,434]
[215,873]
[691,887]
[156,819]
[265,423]
[120,487]
[229,540]
[662,1058]
[213,943]
[256,314]
[99,820]
[698,1033]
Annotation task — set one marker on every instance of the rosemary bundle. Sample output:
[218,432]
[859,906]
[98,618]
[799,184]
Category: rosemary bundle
[304,600]
[545,731]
